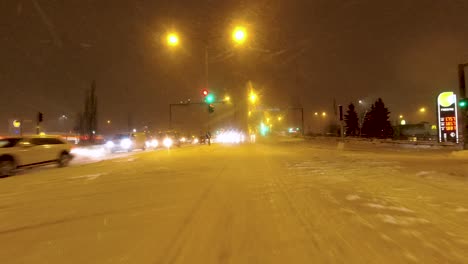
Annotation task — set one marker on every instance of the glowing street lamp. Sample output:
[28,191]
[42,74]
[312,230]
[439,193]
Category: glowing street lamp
[239,35]
[253,97]
[422,110]
[324,114]
[227,99]
[401,116]
[172,39]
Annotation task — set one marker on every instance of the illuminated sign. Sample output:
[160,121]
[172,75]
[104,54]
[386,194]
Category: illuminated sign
[16,123]
[447,117]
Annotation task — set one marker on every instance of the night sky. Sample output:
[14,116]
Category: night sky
[301,52]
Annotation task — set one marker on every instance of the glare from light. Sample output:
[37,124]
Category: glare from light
[16,123]
[110,144]
[210,98]
[126,143]
[42,134]
[239,35]
[316,113]
[227,98]
[92,153]
[264,129]
[230,137]
[280,118]
[152,143]
[167,142]
[324,114]
[403,122]
[195,141]
[108,121]
[401,116]
[253,97]
[422,110]
[250,113]
[172,39]
[183,139]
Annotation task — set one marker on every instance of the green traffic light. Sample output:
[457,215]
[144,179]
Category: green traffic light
[463,103]
[210,98]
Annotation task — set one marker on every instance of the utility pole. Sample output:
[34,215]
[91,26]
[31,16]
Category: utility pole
[463,111]
[302,117]
[206,66]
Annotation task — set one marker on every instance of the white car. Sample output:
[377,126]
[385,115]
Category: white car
[18,152]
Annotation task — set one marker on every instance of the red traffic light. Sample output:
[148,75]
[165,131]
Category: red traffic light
[205,92]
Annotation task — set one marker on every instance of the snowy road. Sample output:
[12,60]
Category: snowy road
[273,202]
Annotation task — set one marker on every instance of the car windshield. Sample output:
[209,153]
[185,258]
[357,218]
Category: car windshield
[121,136]
[8,142]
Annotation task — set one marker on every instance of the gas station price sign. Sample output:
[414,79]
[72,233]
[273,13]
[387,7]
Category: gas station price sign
[447,117]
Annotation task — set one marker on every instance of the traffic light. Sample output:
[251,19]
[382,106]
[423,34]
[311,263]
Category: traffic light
[211,108]
[210,98]
[204,92]
[463,103]
[40,117]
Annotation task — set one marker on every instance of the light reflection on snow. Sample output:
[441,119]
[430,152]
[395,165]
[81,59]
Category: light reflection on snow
[90,153]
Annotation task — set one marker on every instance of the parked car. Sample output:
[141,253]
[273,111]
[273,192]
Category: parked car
[18,152]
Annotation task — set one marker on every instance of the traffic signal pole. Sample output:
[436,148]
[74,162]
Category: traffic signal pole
[463,110]
[187,104]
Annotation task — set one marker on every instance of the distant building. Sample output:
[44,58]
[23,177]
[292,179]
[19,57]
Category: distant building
[421,131]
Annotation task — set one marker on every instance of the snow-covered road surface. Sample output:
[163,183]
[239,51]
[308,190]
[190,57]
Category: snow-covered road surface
[272,202]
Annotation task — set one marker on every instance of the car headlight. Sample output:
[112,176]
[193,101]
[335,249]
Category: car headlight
[167,142]
[195,141]
[154,143]
[110,144]
[183,140]
[125,143]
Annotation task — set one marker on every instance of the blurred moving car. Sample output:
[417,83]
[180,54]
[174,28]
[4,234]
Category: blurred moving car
[127,142]
[169,138]
[18,152]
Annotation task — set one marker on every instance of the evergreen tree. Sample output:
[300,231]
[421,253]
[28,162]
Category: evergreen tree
[376,122]
[367,125]
[352,121]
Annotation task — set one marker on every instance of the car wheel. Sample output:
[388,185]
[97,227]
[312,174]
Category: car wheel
[64,160]
[7,167]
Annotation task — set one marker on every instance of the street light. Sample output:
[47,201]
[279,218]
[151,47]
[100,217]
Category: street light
[108,121]
[239,35]
[324,114]
[227,99]
[172,39]
[422,110]
[253,97]
[401,116]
